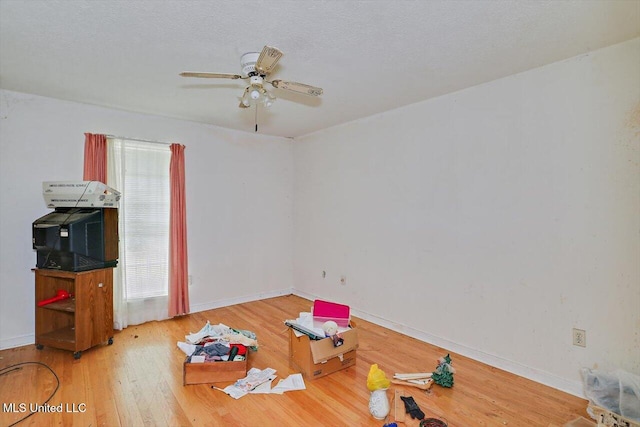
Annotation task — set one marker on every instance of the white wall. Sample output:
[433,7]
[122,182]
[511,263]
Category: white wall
[239,200]
[490,221]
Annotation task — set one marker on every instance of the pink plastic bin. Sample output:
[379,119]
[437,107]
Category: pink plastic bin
[325,310]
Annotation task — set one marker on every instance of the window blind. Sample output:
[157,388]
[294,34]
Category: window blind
[144,173]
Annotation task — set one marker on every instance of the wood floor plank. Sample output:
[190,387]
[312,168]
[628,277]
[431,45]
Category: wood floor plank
[137,381]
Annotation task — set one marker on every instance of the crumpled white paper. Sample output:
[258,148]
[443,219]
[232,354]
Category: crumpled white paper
[259,382]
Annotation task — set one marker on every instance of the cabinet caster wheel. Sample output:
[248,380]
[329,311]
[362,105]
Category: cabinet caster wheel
[110,341]
[39,346]
[77,355]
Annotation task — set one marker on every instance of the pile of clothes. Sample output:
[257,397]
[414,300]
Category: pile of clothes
[217,342]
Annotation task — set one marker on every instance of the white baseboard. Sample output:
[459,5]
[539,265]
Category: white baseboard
[195,308]
[572,387]
[17,341]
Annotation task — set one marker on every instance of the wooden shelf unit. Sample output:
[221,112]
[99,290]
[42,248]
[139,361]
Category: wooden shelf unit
[78,323]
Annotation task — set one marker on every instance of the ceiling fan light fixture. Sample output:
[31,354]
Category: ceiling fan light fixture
[269,99]
[256,94]
[245,101]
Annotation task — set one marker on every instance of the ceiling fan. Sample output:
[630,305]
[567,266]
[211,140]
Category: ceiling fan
[256,68]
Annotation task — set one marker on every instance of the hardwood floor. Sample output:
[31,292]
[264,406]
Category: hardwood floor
[137,381]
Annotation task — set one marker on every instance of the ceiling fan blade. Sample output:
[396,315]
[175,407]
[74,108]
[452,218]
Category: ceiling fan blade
[268,59]
[297,87]
[211,75]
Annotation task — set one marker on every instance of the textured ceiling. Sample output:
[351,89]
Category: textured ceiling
[368,56]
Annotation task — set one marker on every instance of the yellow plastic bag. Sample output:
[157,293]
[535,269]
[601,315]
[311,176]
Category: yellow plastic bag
[377,379]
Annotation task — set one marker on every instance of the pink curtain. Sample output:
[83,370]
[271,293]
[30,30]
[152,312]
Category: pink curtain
[95,158]
[178,266]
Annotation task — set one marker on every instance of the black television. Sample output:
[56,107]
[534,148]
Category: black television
[77,239]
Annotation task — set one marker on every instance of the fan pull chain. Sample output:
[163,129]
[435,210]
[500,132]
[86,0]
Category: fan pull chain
[256,118]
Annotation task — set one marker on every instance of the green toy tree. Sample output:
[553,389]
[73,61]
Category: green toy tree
[443,375]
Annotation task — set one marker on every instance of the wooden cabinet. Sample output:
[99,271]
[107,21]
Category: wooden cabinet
[80,322]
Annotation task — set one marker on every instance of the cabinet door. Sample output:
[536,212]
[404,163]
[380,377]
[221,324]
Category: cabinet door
[94,308]
[102,308]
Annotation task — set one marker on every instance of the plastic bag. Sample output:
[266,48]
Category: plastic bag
[377,379]
[616,391]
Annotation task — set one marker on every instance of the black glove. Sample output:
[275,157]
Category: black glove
[412,408]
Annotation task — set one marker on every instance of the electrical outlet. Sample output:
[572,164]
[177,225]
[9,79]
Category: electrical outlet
[190,280]
[579,337]
[343,280]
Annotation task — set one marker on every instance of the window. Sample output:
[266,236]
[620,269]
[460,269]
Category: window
[140,171]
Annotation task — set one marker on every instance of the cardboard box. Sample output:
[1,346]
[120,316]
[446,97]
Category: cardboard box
[213,372]
[317,358]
